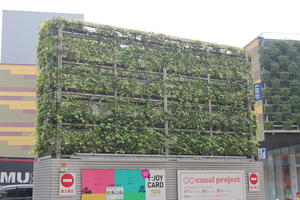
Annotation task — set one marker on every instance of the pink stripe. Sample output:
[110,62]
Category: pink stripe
[26,147]
[29,112]
[260,118]
[16,124]
[10,133]
[29,76]
[14,98]
[257,75]
[17,89]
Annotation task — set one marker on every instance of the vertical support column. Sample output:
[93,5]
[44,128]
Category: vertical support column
[207,55]
[210,112]
[115,74]
[165,110]
[115,79]
[209,108]
[269,171]
[252,135]
[293,170]
[59,92]
[278,173]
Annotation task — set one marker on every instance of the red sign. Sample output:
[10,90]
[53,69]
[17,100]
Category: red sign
[253,182]
[253,179]
[67,184]
[67,180]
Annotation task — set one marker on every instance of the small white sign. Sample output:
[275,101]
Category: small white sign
[262,153]
[67,184]
[156,185]
[253,182]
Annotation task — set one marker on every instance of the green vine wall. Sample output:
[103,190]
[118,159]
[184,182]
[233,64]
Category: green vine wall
[280,61]
[125,91]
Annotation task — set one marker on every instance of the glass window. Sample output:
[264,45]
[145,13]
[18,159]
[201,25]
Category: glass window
[29,192]
[287,190]
[22,192]
[297,154]
[11,192]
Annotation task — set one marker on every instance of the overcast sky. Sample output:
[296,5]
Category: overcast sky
[229,22]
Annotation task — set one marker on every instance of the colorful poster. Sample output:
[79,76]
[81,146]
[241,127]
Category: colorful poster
[125,184]
[211,185]
[114,193]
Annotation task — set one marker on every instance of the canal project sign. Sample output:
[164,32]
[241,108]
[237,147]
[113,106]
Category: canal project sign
[211,184]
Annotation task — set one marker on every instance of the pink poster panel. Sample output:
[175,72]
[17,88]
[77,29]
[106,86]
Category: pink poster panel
[95,181]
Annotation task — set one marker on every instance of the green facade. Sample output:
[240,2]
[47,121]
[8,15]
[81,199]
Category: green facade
[110,90]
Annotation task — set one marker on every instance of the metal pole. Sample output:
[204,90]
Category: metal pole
[210,112]
[59,93]
[252,135]
[167,150]
[209,107]
[115,80]
[115,73]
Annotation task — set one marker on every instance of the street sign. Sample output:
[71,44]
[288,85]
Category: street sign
[262,153]
[67,184]
[258,92]
[253,182]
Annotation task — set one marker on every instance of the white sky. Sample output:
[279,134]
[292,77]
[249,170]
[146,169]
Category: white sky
[229,22]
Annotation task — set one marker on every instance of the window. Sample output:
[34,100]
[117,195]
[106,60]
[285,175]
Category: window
[11,192]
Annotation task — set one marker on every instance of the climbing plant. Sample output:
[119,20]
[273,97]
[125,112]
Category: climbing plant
[104,89]
[280,63]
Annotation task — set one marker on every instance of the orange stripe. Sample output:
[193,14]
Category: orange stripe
[20,105]
[20,69]
[18,129]
[22,94]
[18,140]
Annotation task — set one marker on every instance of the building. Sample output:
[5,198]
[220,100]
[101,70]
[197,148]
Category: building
[125,91]
[276,65]
[18,72]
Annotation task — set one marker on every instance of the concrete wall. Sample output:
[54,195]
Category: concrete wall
[46,172]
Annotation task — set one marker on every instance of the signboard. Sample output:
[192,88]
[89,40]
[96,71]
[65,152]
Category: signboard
[211,184]
[67,184]
[262,153]
[125,184]
[16,171]
[253,182]
[257,92]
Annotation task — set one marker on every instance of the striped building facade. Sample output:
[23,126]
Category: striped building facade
[18,74]
[18,109]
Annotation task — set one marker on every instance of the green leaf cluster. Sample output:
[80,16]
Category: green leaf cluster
[126,91]
[280,61]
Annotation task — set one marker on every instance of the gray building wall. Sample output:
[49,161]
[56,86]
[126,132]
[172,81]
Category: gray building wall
[46,171]
[20,34]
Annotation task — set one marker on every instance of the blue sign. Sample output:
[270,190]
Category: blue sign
[262,153]
[257,92]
